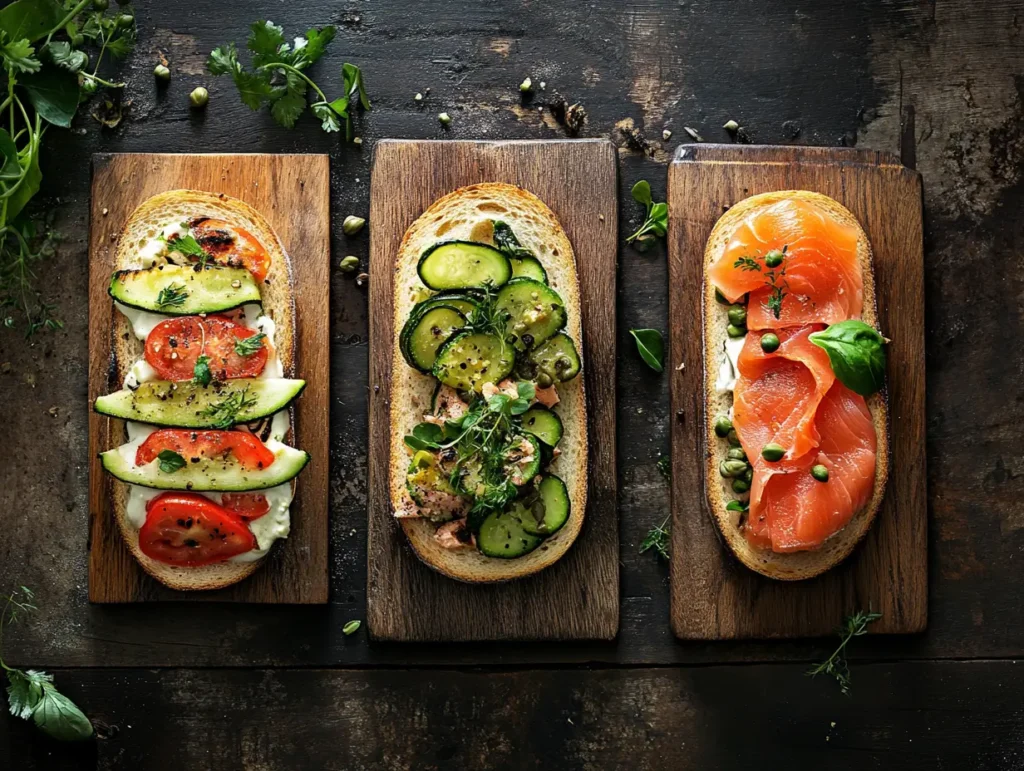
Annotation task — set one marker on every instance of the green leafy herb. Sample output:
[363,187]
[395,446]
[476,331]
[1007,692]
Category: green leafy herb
[656,221]
[43,56]
[775,278]
[665,466]
[857,354]
[250,346]
[658,539]
[32,694]
[201,373]
[277,77]
[225,412]
[836,664]
[188,246]
[351,627]
[171,295]
[170,461]
[651,347]
[507,242]
[747,264]
[736,505]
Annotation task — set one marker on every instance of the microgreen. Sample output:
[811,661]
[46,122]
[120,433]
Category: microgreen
[836,665]
[278,77]
[656,220]
[31,693]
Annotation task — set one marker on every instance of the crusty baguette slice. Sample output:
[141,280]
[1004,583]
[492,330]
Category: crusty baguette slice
[799,565]
[278,303]
[466,214]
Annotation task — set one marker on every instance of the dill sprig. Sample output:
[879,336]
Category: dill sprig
[836,664]
[225,412]
[171,295]
[658,539]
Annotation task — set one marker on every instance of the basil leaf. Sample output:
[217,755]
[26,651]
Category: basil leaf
[651,347]
[54,93]
[857,355]
[642,192]
[201,371]
[57,716]
[170,461]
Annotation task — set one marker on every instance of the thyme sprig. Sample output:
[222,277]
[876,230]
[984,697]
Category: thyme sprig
[836,665]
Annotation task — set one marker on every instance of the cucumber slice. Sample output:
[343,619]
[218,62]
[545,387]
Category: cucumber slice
[557,358]
[543,424]
[428,334]
[208,475]
[550,510]
[529,267]
[502,534]
[523,473]
[470,359]
[186,291]
[536,312]
[189,405]
[462,265]
[464,302]
[470,478]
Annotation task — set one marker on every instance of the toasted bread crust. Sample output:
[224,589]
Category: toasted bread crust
[798,565]
[466,214]
[278,303]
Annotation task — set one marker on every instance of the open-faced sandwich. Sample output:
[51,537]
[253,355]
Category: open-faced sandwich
[794,383]
[488,419]
[202,344]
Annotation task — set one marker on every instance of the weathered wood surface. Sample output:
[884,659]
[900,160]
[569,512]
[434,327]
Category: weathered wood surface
[292,193]
[713,595]
[937,82]
[922,715]
[578,597]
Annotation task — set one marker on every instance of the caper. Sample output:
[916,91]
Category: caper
[740,486]
[722,426]
[100,5]
[562,363]
[544,380]
[773,259]
[721,297]
[731,469]
[748,477]
[773,452]
[162,72]
[769,342]
[88,87]
[820,473]
[445,118]
[352,225]
[736,453]
[349,264]
[738,316]
[733,438]
[736,331]
[199,97]
[526,86]
[125,20]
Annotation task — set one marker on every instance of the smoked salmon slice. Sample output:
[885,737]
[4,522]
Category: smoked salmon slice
[820,276]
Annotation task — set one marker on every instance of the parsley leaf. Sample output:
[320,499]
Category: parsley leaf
[170,461]
[249,346]
[201,371]
[25,691]
[19,55]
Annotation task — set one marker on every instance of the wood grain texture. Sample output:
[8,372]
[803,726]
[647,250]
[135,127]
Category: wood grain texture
[578,597]
[713,596]
[292,192]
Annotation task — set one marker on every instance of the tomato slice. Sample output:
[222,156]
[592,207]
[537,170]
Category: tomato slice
[174,346]
[191,530]
[248,506]
[242,447]
[230,245]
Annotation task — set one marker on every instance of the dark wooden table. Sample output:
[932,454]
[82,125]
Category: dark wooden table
[212,686]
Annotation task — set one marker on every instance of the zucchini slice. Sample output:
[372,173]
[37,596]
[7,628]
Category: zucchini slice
[209,475]
[428,333]
[536,312]
[557,358]
[529,267]
[462,265]
[543,424]
[550,510]
[189,405]
[182,290]
[470,359]
[502,534]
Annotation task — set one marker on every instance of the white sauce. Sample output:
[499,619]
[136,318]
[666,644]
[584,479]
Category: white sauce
[275,524]
[155,248]
[729,368]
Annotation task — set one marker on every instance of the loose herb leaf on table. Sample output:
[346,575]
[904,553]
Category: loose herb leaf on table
[656,220]
[651,347]
[658,539]
[836,664]
[277,77]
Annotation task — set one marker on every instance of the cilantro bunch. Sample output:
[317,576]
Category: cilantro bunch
[278,77]
[46,49]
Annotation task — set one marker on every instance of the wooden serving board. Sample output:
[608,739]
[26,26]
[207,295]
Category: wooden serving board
[293,193]
[713,595]
[578,597]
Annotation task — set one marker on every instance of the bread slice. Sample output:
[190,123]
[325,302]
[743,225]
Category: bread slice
[466,214]
[145,223]
[798,565]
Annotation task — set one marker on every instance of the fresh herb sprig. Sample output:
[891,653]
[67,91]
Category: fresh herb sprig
[655,222]
[658,539]
[836,664]
[45,48]
[250,346]
[278,77]
[225,412]
[171,295]
[201,373]
[774,269]
[189,247]
[31,693]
